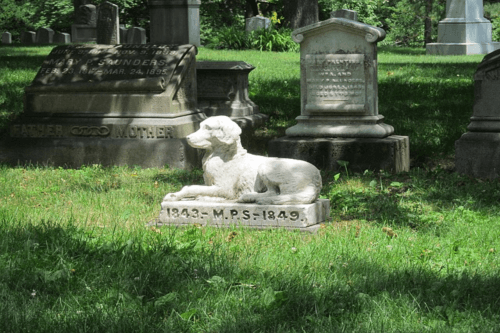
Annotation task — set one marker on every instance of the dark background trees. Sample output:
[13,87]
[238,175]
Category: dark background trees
[407,22]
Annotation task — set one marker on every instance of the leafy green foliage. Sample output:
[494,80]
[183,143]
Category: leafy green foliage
[235,38]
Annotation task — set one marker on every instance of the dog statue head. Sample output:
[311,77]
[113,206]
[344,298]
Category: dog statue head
[218,128]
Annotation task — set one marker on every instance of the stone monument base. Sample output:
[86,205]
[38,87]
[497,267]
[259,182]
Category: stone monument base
[461,48]
[87,151]
[391,153]
[225,214]
[478,154]
[73,142]
[83,33]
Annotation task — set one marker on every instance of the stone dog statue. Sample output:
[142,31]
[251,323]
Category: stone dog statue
[231,174]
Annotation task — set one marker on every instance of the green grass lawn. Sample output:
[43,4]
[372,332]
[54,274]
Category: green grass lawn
[413,252]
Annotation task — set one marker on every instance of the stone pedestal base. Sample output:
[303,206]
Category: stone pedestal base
[87,151]
[77,141]
[225,214]
[83,33]
[391,154]
[461,48]
[478,154]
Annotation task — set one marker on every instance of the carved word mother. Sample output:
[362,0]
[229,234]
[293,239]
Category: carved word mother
[231,174]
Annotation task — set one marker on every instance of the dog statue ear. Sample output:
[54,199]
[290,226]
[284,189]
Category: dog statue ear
[228,131]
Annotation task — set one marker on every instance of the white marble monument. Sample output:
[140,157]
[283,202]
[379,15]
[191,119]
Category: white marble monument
[464,30]
[242,188]
[339,117]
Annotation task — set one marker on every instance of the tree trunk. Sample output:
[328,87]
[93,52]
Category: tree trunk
[428,22]
[300,13]
[251,9]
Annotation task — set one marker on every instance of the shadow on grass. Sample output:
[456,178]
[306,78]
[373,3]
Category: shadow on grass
[401,50]
[420,199]
[76,280]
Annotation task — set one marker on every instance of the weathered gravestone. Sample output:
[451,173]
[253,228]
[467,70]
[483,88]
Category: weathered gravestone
[339,101]
[136,35]
[257,23]
[84,29]
[477,152]
[113,105]
[62,38]
[245,189]
[108,24]
[6,38]
[464,30]
[175,21]
[28,37]
[223,91]
[44,36]
[123,33]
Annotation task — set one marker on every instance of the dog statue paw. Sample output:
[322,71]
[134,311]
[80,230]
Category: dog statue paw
[171,197]
[232,174]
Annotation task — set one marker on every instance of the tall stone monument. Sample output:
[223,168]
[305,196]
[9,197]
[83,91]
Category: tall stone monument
[175,21]
[109,104]
[477,152]
[339,101]
[108,25]
[464,30]
[84,29]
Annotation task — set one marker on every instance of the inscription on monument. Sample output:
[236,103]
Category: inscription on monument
[335,82]
[227,215]
[95,63]
[110,131]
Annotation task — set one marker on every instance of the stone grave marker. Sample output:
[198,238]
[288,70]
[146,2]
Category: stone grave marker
[175,21]
[136,35]
[223,91]
[256,23]
[123,33]
[465,30]
[62,38]
[243,189]
[28,37]
[44,36]
[477,152]
[84,29]
[109,104]
[108,24]
[6,38]
[339,101]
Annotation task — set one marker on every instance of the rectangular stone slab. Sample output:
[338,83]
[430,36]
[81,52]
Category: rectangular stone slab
[257,216]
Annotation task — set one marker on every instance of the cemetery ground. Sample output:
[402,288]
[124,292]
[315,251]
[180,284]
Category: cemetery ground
[411,252]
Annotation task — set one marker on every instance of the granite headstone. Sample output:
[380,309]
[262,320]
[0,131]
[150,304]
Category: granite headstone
[114,105]
[62,38]
[136,35]
[28,37]
[257,23]
[44,36]
[339,101]
[6,38]
[84,29]
[108,24]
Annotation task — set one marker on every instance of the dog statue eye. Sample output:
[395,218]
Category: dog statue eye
[208,128]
